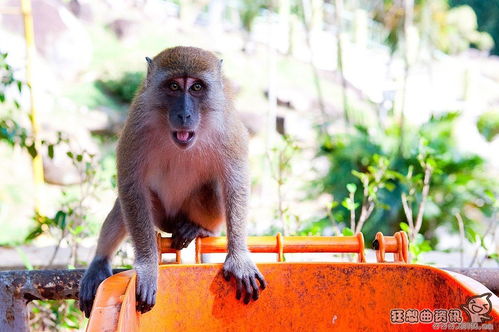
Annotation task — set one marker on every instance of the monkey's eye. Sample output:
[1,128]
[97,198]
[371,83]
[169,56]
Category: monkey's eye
[196,87]
[174,86]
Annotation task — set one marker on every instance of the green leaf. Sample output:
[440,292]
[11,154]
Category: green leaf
[60,219]
[470,234]
[333,204]
[50,151]
[390,186]
[404,227]
[347,231]
[32,150]
[351,187]
[349,204]
[364,178]
[77,230]
[70,154]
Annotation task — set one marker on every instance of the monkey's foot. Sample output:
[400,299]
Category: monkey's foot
[147,284]
[242,268]
[98,270]
[186,232]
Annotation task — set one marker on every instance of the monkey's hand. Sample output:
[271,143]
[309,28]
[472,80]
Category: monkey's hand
[98,270]
[147,284]
[241,267]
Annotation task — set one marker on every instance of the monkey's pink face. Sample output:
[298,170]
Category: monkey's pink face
[184,96]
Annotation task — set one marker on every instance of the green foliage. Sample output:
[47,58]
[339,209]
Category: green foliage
[458,181]
[347,232]
[248,12]
[451,30]
[71,222]
[418,246]
[7,77]
[280,160]
[488,124]
[11,130]
[55,315]
[461,32]
[487,13]
[123,89]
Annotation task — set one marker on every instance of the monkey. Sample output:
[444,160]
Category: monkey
[182,166]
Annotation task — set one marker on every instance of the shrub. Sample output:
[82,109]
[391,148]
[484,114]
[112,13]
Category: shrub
[124,88]
[458,183]
[488,124]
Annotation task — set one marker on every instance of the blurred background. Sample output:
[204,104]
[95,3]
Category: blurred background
[364,116]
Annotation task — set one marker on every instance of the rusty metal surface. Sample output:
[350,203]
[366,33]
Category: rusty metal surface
[186,283]
[43,284]
[489,277]
[18,287]
[299,297]
[13,311]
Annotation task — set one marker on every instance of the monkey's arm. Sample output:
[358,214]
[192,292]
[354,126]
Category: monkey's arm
[238,262]
[136,209]
[112,233]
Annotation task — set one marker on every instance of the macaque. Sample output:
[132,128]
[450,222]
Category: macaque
[183,168]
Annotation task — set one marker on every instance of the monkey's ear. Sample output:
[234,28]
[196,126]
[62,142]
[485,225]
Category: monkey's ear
[220,62]
[150,66]
[220,72]
[149,63]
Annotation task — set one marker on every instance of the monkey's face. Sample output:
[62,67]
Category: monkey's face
[184,96]
[185,85]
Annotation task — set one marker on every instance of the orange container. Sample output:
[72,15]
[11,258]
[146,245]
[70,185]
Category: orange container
[301,296]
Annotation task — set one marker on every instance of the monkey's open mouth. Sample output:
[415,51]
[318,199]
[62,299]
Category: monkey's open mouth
[183,137]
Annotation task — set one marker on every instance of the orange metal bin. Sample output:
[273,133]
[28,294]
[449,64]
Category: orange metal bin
[299,297]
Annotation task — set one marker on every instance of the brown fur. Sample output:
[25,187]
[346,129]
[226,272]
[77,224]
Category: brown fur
[187,192]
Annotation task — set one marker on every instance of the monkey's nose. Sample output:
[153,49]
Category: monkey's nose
[184,117]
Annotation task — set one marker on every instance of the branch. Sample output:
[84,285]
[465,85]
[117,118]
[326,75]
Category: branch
[424,194]
[352,212]
[366,213]
[460,223]
[408,213]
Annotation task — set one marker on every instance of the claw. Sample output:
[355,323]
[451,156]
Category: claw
[246,274]
[239,287]
[145,293]
[263,283]
[249,291]
[255,288]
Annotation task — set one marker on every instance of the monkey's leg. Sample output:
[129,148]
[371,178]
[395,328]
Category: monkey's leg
[112,233]
[138,214]
[238,263]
